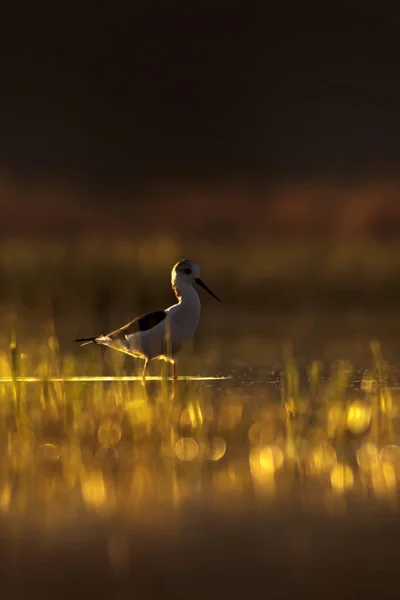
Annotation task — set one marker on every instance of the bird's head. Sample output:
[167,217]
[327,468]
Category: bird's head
[187,272]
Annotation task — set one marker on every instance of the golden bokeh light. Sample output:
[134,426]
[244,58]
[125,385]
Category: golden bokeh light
[320,458]
[265,461]
[109,433]
[342,477]
[192,416]
[167,447]
[386,402]
[49,452]
[383,478]
[186,449]
[359,416]
[93,489]
[139,412]
[5,497]
[262,432]
[334,418]
[368,457]
[390,455]
[216,448]
[106,457]
[118,443]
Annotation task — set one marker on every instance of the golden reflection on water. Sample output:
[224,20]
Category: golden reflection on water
[321,459]
[116,445]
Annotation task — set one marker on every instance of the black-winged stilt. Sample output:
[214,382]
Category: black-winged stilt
[161,333]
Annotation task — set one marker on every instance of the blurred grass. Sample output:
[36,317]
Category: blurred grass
[95,272]
[120,448]
[123,448]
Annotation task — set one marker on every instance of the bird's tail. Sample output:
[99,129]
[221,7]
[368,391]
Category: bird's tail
[85,341]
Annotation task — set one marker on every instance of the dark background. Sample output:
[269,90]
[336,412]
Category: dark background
[103,110]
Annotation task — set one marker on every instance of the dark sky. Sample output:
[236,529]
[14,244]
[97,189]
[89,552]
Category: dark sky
[189,91]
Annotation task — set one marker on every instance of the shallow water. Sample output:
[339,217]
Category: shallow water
[253,470]
[282,479]
[247,418]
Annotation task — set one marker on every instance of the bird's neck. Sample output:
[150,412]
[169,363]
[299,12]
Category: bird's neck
[186,294]
[185,315]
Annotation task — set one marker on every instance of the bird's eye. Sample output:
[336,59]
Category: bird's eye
[188,271]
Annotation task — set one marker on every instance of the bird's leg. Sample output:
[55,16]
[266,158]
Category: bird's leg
[146,364]
[174,376]
[169,359]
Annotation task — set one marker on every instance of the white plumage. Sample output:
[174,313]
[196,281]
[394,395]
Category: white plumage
[161,334]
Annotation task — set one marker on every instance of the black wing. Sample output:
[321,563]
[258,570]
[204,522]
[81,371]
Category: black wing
[142,323]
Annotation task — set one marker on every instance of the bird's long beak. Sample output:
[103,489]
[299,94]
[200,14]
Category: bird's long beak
[203,285]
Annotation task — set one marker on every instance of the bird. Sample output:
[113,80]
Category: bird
[160,334]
